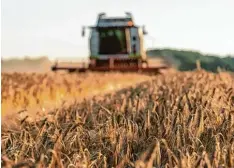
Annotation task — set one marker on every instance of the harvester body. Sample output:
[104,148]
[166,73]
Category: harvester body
[115,44]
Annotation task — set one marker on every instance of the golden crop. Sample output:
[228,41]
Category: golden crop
[182,119]
[44,92]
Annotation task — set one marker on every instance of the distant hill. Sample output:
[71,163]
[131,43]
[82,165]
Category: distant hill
[186,60]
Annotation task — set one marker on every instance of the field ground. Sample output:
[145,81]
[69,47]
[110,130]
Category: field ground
[179,119]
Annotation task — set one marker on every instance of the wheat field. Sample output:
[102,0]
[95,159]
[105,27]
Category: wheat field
[179,119]
[42,92]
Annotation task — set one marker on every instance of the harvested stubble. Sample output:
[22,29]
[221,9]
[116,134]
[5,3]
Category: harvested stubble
[176,120]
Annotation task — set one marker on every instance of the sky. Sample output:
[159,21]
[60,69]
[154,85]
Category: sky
[53,27]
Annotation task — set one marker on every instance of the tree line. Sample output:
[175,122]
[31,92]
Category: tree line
[185,60]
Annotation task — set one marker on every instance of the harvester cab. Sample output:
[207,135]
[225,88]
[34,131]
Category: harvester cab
[115,44]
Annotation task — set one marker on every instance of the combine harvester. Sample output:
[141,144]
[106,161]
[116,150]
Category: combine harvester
[116,44]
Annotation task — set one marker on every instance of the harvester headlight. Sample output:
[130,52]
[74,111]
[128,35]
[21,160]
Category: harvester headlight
[130,23]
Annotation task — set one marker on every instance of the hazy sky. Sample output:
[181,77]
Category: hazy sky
[53,27]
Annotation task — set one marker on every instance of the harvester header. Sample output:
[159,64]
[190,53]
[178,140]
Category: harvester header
[115,44]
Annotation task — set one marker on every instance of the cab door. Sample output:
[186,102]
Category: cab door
[94,43]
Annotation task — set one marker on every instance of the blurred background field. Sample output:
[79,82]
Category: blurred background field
[45,91]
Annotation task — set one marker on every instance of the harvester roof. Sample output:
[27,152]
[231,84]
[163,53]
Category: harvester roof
[104,21]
